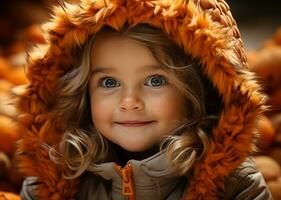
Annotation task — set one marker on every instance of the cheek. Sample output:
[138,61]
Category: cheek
[101,109]
[169,106]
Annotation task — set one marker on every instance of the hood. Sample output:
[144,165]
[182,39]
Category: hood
[205,29]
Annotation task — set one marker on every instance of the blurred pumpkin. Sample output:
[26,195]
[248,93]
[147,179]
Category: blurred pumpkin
[267,133]
[268,167]
[275,153]
[275,188]
[14,75]
[8,134]
[275,101]
[276,122]
[5,85]
[35,34]
[266,65]
[9,196]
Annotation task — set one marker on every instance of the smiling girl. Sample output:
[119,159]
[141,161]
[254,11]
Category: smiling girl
[124,104]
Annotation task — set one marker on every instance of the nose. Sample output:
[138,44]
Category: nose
[131,101]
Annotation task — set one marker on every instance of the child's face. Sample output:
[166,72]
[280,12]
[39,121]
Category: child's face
[124,87]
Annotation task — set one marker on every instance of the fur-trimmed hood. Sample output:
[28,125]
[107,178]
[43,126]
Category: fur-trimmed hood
[203,28]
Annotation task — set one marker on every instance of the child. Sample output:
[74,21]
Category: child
[140,100]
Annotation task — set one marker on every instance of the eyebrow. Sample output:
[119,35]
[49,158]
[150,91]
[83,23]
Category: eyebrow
[97,70]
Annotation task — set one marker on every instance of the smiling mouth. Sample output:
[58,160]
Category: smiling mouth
[135,124]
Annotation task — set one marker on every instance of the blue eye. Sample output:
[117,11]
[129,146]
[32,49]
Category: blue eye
[157,80]
[107,82]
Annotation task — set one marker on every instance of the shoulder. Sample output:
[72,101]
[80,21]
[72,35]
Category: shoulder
[247,167]
[247,183]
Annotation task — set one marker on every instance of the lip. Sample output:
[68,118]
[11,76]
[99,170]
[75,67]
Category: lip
[134,123]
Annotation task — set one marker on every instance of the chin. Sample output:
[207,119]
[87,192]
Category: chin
[134,147]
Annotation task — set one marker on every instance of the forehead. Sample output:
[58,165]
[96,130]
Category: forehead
[112,50]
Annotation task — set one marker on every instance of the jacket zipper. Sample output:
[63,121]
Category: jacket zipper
[128,180]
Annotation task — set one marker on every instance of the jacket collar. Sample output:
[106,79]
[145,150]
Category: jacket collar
[151,178]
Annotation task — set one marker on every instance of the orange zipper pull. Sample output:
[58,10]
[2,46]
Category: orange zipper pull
[128,180]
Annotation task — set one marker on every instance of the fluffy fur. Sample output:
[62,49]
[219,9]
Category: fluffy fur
[204,28]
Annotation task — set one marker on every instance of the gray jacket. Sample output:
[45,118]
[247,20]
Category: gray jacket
[156,179]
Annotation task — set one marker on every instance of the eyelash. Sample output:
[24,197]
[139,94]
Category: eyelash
[164,79]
